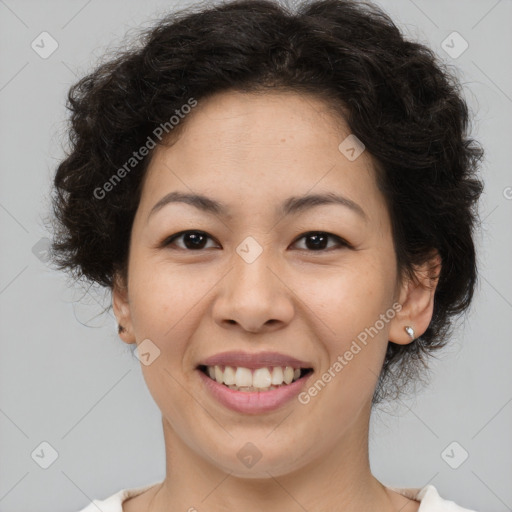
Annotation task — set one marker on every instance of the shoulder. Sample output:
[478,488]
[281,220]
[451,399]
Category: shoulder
[430,500]
[115,502]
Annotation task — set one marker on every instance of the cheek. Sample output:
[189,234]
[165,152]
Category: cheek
[350,297]
[165,308]
[353,312]
[161,294]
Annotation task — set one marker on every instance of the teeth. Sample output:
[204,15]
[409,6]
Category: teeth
[229,375]
[243,377]
[277,375]
[260,379]
[288,374]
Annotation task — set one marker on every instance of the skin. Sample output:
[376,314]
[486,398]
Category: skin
[252,152]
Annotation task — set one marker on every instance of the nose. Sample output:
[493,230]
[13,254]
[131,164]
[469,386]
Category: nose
[254,296]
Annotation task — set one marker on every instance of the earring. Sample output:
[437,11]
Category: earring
[410,331]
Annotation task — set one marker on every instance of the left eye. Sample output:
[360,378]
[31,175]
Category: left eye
[195,240]
[319,240]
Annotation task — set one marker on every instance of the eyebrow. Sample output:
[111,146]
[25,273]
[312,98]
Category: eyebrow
[290,206]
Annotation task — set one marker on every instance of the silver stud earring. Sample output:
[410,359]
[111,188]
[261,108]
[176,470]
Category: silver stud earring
[410,331]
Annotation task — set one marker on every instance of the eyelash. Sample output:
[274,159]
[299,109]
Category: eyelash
[342,243]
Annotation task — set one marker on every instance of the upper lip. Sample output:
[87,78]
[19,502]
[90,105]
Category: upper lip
[254,360]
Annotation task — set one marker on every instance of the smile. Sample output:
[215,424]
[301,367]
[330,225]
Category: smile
[251,399]
[254,380]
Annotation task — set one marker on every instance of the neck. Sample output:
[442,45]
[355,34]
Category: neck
[340,480]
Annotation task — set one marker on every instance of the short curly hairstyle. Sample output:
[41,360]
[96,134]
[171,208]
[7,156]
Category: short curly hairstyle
[395,95]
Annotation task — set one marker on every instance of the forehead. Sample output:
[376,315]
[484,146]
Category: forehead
[243,147]
[270,118]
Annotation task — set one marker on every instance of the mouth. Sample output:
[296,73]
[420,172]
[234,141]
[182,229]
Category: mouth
[250,380]
[253,383]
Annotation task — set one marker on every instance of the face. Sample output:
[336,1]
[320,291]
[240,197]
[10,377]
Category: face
[262,273]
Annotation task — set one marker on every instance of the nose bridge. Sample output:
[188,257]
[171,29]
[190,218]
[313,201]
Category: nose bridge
[252,263]
[253,296]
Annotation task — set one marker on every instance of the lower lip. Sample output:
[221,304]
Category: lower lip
[253,402]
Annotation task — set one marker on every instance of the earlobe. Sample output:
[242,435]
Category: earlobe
[417,300]
[121,307]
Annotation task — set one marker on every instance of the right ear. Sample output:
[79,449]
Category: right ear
[121,306]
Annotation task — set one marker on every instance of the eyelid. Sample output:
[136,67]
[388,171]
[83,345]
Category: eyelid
[166,242]
[341,241]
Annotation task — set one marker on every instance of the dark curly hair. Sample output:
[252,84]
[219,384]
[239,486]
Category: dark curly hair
[396,96]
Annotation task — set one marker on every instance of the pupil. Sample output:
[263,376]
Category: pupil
[195,238]
[320,241]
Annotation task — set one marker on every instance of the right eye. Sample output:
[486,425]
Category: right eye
[192,240]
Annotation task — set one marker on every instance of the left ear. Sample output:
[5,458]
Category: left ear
[416,296]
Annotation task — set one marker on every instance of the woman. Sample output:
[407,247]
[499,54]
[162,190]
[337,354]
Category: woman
[283,207]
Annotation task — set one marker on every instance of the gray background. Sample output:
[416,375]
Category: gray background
[66,378]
